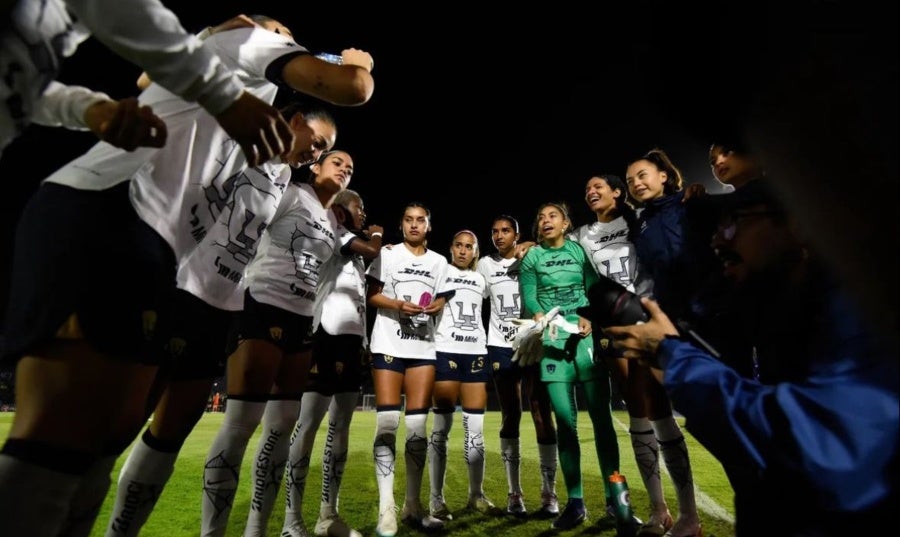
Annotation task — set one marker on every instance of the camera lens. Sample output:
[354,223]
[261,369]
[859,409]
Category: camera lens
[611,304]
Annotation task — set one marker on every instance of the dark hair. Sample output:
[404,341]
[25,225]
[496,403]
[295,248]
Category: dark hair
[674,181]
[417,205]
[292,105]
[512,221]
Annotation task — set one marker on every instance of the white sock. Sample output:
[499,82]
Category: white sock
[384,451]
[509,451]
[675,453]
[33,500]
[437,452]
[334,455]
[548,456]
[268,463]
[223,464]
[313,407]
[473,427]
[88,499]
[141,480]
[414,454]
[646,455]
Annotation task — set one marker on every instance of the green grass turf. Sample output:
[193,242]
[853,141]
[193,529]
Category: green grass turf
[178,511]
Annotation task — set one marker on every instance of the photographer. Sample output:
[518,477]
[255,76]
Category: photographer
[810,438]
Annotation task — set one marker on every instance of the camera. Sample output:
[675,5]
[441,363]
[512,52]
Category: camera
[611,304]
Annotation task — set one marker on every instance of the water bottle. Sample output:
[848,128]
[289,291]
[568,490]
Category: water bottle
[626,523]
[331,58]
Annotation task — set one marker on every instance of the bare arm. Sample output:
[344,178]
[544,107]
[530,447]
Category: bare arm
[371,247]
[350,84]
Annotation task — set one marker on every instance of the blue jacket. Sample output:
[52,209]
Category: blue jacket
[816,456]
[674,249]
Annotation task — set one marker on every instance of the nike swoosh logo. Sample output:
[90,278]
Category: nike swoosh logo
[218,482]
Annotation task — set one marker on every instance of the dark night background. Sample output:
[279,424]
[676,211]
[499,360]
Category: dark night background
[482,109]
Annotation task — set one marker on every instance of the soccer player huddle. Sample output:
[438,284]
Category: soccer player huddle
[212,231]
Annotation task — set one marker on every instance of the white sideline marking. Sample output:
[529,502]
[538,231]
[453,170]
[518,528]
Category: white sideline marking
[704,502]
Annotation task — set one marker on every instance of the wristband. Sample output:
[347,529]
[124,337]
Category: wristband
[376,234]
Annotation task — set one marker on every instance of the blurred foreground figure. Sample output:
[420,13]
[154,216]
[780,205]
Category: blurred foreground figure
[809,438]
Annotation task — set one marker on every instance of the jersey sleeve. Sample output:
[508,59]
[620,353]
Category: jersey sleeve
[251,52]
[377,268]
[149,35]
[64,106]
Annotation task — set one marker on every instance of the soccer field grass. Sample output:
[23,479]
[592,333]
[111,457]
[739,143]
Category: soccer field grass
[178,511]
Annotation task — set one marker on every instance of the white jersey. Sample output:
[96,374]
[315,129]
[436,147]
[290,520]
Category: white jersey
[42,33]
[341,296]
[406,276]
[506,299]
[301,237]
[460,329]
[613,255]
[214,270]
[181,188]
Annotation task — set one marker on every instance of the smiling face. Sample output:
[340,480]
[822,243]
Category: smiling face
[599,196]
[311,139]
[645,180]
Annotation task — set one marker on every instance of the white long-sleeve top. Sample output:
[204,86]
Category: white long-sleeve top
[41,33]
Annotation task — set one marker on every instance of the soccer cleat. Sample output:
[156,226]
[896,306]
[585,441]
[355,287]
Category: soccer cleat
[414,515]
[483,505]
[515,505]
[549,505]
[332,525]
[297,529]
[387,523]
[573,515]
[657,525]
[439,509]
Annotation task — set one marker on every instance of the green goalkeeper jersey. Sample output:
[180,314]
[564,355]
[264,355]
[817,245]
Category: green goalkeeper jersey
[552,277]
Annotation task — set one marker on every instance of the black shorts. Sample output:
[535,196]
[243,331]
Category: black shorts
[451,366]
[502,364]
[400,365]
[289,331]
[338,363]
[195,337]
[86,253]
